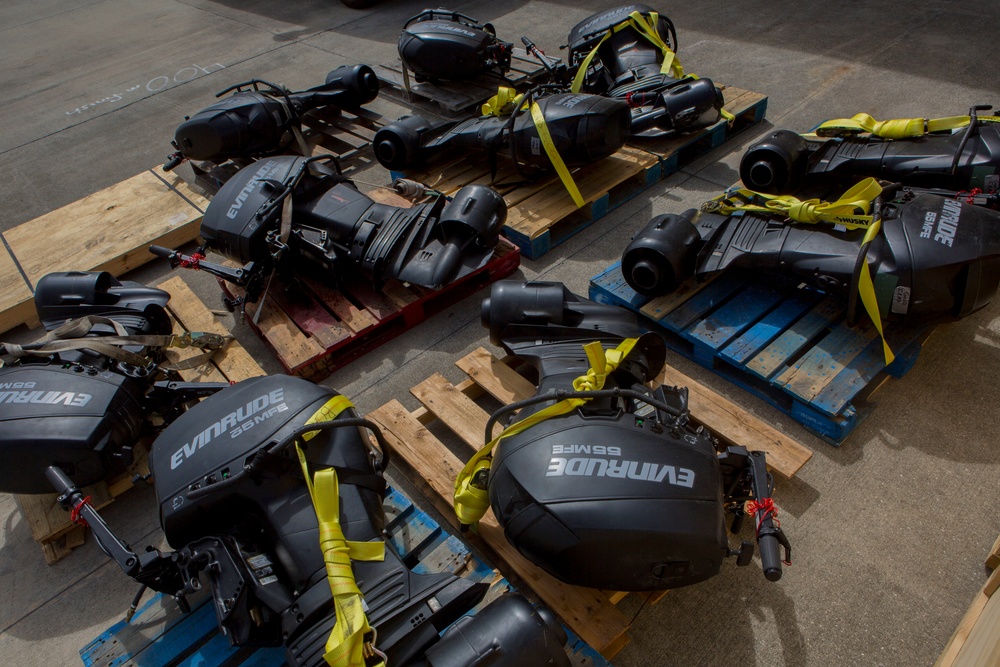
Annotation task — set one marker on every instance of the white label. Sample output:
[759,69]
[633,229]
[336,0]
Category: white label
[901,300]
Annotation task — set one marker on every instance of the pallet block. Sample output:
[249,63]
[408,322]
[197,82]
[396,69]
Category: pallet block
[433,467]
[110,230]
[452,98]
[782,341]
[542,215]
[976,641]
[160,634]
[49,523]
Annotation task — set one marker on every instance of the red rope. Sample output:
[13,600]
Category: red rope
[970,195]
[766,508]
[193,262]
[74,514]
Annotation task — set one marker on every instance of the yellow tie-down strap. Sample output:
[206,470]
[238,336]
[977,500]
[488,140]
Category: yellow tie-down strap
[896,128]
[851,210]
[505,102]
[351,642]
[472,500]
[671,65]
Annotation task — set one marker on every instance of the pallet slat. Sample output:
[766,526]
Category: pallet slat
[787,343]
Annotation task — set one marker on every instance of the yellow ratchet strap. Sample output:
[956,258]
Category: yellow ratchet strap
[897,128]
[844,211]
[471,495]
[671,65]
[351,641]
[505,102]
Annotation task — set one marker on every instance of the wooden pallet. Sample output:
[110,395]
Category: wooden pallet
[346,134]
[453,98]
[976,641]
[541,214]
[431,465]
[50,525]
[784,342]
[110,230]
[314,329]
[160,634]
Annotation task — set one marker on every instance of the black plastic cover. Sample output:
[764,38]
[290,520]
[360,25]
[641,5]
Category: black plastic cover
[439,48]
[71,416]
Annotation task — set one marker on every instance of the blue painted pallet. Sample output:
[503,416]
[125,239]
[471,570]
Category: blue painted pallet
[541,214]
[782,341]
[159,635]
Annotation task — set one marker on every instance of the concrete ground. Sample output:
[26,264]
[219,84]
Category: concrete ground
[890,530]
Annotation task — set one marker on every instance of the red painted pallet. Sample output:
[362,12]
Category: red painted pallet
[315,329]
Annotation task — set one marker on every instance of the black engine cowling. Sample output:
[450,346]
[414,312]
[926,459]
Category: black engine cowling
[619,493]
[440,44]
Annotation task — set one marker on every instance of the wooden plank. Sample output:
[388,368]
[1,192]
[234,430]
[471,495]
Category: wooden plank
[352,317]
[785,346]
[965,626]
[586,611]
[763,332]
[982,647]
[234,361]
[16,300]
[47,520]
[735,425]
[993,560]
[456,410]
[496,377]
[808,376]
[661,306]
[110,230]
[737,315]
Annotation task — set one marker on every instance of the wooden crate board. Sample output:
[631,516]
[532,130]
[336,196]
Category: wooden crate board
[976,640]
[110,230]
[160,634]
[314,329]
[50,525]
[541,214]
[782,341]
[451,98]
[433,467]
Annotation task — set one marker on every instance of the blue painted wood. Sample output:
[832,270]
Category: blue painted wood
[785,343]
[757,337]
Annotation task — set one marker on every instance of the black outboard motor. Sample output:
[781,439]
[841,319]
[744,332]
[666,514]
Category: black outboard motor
[333,230]
[627,66]
[621,492]
[584,129]
[260,118]
[934,257]
[441,44]
[957,160]
[235,505]
[79,408]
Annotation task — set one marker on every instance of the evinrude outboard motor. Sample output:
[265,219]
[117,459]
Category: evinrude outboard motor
[956,160]
[84,408]
[619,492]
[584,129]
[295,214]
[261,118]
[934,257]
[441,44]
[627,65]
[235,505]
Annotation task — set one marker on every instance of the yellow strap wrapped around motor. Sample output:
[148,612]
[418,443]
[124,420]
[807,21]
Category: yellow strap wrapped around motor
[671,65]
[896,128]
[472,501]
[851,210]
[843,212]
[504,103]
[346,645]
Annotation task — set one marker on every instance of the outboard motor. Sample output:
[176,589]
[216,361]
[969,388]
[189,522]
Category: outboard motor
[295,214]
[934,257]
[957,160]
[616,490]
[584,129]
[613,55]
[75,399]
[230,477]
[262,118]
[440,44]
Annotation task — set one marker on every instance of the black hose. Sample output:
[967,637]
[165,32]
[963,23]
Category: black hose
[561,395]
